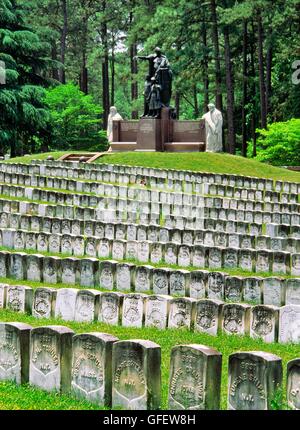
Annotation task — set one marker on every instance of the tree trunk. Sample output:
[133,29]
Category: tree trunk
[55,74]
[215,39]
[84,75]
[253,132]
[133,69]
[134,85]
[262,89]
[253,90]
[245,88]
[63,38]
[205,67]
[230,93]
[112,66]
[177,104]
[196,106]
[105,69]
[269,60]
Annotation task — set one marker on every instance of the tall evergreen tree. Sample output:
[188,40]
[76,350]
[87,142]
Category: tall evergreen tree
[24,117]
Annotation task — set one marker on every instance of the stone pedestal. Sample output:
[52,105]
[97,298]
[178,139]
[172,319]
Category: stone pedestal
[149,135]
[164,134]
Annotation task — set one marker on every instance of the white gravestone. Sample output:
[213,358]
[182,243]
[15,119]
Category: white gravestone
[293,384]
[191,370]
[51,358]
[14,352]
[65,304]
[133,310]
[44,302]
[92,367]
[136,375]
[110,310]
[289,324]
[157,311]
[254,378]
[264,323]
[208,316]
[87,305]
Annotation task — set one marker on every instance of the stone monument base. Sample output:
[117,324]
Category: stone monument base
[164,134]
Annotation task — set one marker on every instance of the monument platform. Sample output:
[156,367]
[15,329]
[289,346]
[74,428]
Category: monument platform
[164,134]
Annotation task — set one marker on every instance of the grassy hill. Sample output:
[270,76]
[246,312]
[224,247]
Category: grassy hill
[200,161]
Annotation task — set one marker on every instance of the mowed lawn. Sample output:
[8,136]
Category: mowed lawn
[23,397]
[197,161]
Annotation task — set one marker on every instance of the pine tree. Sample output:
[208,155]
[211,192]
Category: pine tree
[24,118]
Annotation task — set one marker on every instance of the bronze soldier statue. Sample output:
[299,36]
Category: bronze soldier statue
[159,68]
[154,99]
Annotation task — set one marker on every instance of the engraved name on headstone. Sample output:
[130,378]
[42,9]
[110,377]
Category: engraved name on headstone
[51,358]
[136,375]
[192,369]
[92,367]
[254,378]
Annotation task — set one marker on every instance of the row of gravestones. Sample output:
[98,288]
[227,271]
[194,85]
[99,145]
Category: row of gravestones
[148,173]
[120,231]
[142,195]
[142,249]
[223,218]
[182,204]
[121,276]
[232,234]
[111,190]
[101,369]
[199,256]
[269,323]
[184,182]
[239,238]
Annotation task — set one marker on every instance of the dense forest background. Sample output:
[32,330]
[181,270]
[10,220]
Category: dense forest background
[68,61]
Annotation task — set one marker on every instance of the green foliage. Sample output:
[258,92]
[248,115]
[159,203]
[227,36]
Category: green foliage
[24,119]
[75,119]
[280,144]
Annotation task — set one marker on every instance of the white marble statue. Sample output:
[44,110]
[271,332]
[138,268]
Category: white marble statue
[113,116]
[213,125]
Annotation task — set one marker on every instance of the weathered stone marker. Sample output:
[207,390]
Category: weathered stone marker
[3,290]
[87,305]
[65,303]
[157,311]
[136,375]
[289,324]
[236,318]
[19,298]
[208,316]
[44,302]
[293,384]
[195,377]
[110,310]
[182,313]
[92,367]
[133,311]
[254,378]
[264,322]
[14,352]
[51,358]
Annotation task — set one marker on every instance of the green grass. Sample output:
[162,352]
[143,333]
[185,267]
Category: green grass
[29,399]
[25,397]
[202,161]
